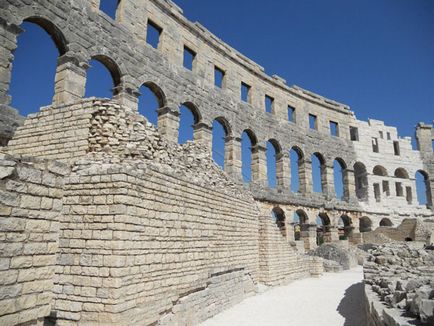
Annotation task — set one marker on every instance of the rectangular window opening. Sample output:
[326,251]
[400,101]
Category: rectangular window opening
[386,189]
[432,144]
[334,129]
[189,58]
[354,133]
[109,7]
[409,195]
[153,34]
[377,192]
[375,147]
[388,136]
[313,122]
[396,149]
[269,104]
[245,92]
[381,135]
[219,77]
[291,114]
[399,190]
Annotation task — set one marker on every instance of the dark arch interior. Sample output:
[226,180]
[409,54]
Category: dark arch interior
[380,171]
[386,222]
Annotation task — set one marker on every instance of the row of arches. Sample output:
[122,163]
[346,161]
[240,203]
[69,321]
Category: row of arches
[323,228]
[151,99]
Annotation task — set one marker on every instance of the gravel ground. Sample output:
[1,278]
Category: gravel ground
[332,300]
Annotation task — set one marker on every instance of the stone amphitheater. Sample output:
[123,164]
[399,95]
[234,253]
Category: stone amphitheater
[106,219]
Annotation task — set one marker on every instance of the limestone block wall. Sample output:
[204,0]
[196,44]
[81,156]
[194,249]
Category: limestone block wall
[409,229]
[391,170]
[30,210]
[137,245]
[9,121]
[279,259]
[56,132]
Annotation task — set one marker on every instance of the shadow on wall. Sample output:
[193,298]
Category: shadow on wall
[351,306]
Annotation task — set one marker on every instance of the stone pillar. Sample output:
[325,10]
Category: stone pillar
[349,186]
[127,97]
[355,236]
[70,82]
[203,135]
[330,190]
[259,165]
[8,41]
[334,233]
[233,163]
[308,235]
[289,230]
[168,123]
[283,172]
[305,171]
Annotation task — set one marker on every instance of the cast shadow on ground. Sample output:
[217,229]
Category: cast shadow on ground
[351,306]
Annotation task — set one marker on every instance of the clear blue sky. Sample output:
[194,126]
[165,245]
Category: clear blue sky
[375,55]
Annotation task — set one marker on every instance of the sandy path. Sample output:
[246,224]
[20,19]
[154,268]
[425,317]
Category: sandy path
[332,300]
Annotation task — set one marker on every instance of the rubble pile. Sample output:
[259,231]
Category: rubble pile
[345,256]
[403,278]
[121,137]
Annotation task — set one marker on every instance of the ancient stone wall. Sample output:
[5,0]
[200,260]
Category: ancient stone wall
[135,241]
[30,209]
[279,259]
[121,45]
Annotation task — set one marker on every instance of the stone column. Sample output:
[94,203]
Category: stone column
[127,97]
[259,165]
[329,176]
[289,230]
[308,235]
[349,186]
[168,123]
[203,135]
[334,233]
[70,82]
[283,172]
[233,164]
[305,171]
[8,40]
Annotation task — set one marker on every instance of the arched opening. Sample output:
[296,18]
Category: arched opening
[323,229]
[365,224]
[401,173]
[278,217]
[361,181]
[248,143]
[319,180]
[339,168]
[380,171]
[109,7]
[345,228]
[296,159]
[423,190]
[299,222]
[273,156]
[34,65]
[189,116]
[151,99]
[220,132]
[102,77]
[386,222]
